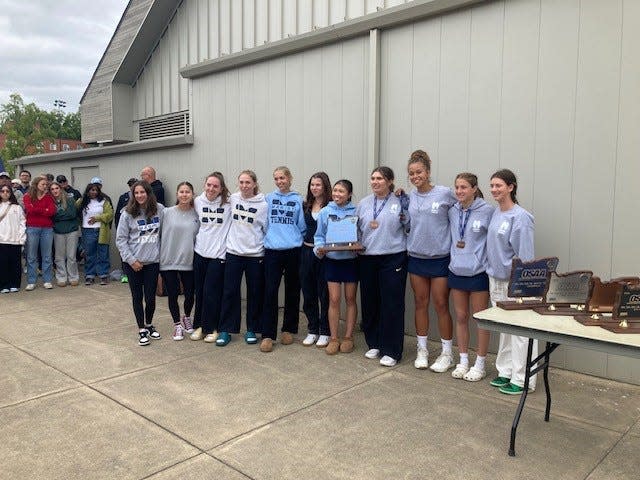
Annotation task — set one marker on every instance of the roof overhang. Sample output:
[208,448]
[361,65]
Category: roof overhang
[146,40]
[154,144]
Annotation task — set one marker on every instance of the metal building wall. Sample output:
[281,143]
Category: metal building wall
[207,29]
[548,89]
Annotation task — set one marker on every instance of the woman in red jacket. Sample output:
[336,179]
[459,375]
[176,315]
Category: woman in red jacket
[40,209]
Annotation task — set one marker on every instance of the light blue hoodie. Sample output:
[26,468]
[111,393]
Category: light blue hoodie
[472,259]
[319,239]
[510,235]
[285,221]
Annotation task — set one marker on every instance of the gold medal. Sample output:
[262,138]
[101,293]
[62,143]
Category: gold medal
[373,224]
[460,244]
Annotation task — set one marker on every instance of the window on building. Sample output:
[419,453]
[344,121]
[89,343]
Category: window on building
[53,147]
[79,147]
[66,147]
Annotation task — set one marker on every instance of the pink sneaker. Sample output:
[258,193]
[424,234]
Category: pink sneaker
[187,324]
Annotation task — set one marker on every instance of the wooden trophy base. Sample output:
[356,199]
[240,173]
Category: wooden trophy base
[562,310]
[519,304]
[587,319]
[614,326]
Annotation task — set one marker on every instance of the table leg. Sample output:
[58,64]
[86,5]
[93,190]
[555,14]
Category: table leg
[547,353]
[523,399]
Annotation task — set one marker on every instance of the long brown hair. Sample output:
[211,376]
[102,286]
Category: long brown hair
[472,180]
[326,191]
[508,177]
[63,195]
[33,188]
[224,191]
[149,207]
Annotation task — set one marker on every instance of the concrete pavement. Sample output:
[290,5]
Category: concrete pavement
[80,399]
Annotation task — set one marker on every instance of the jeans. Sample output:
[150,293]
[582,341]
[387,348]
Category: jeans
[39,238]
[65,253]
[97,254]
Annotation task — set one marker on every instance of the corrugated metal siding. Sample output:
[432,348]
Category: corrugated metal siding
[549,89]
[207,29]
[307,110]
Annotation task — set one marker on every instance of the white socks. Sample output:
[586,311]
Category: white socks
[446,346]
[480,361]
[422,341]
[464,359]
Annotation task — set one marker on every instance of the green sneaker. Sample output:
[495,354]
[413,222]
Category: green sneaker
[500,382]
[124,279]
[511,389]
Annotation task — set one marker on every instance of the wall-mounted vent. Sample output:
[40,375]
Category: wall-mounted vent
[164,126]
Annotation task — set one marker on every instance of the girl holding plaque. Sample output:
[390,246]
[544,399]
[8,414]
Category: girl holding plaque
[383,268]
[314,286]
[244,255]
[428,245]
[510,235]
[340,268]
[469,219]
[282,243]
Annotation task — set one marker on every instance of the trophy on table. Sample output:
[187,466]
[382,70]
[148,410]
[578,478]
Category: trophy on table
[567,294]
[528,283]
[342,234]
[625,317]
[600,304]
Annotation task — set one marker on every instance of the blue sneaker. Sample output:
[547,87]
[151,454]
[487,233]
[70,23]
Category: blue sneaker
[223,339]
[250,338]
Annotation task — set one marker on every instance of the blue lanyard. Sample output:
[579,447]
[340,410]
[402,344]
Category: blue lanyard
[462,221]
[377,212]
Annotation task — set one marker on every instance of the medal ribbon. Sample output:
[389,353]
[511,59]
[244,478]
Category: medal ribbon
[463,218]
[377,212]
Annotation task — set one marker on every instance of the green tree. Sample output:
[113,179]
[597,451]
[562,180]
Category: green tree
[27,127]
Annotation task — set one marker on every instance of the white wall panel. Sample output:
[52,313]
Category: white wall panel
[555,119]
[425,104]
[453,130]
[485,89]
[596,130]
[207,29]
[291,111]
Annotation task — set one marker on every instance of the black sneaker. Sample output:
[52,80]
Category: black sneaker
[153,333]
[144,338]
[104,280]
[88,281]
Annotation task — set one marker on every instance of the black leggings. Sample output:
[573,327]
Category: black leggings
[172,279]
[143,283]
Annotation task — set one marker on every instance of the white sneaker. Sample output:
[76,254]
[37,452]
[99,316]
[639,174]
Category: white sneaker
[5,290]
[372,353]
[422,359]
[211,337]
[443,363]
[460,371]
[197,334]
[14,289]
[323,341]
[310,339]
[387,361]
[30,287]
[48,285]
